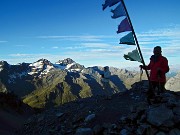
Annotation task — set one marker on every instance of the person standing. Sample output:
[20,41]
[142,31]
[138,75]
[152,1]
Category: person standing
[105,80]
[158,67]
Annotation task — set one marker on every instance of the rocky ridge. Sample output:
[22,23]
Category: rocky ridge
[13,113]
[127,113]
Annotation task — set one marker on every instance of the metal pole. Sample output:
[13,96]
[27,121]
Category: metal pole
[135,38]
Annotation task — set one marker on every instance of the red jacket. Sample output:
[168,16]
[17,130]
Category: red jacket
[160,63]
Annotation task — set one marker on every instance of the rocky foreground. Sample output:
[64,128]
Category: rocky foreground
[126,113]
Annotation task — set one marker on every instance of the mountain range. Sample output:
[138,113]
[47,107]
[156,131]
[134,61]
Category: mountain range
[43,84]
[67,98]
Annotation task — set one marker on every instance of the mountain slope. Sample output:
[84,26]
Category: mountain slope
[13,113]
[173,83]
[42,83]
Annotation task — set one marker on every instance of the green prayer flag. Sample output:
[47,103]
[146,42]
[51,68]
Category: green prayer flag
[128,39]
[133,56]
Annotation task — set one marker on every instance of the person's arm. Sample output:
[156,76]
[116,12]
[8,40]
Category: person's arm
[148,67]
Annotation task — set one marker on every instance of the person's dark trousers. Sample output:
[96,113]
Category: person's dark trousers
[159,85]
[152,87]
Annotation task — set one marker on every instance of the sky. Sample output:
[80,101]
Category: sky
[81,30]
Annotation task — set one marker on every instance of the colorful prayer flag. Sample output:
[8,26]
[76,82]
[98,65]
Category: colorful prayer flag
[124,26]
[133,56]
[118,11]
[128,39]
[110,3]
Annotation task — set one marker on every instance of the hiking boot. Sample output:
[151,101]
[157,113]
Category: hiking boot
[108,98]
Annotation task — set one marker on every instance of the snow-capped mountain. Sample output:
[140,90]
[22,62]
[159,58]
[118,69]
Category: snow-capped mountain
[3,64]
[21,77]
[13,72]
[173,83]
[41,67]
[42,82]
[69,64]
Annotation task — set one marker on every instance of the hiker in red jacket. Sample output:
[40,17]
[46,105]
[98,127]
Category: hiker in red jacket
[158,67]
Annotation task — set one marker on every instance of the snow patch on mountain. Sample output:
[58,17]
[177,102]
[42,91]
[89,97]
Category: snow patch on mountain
[3,64]
[41,67]
[64,67]
[1,68]
[69,65]
[70,68]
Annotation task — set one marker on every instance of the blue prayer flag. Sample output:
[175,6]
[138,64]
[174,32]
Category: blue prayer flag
[118,11]
[110,3]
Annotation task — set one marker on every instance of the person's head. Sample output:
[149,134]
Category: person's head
[157,50]
[106,68]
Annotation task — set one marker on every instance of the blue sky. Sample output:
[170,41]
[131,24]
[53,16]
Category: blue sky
[81,30]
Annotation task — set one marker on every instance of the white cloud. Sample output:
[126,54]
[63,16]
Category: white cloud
[1,41]
[21,45]
[167,38]
[90,38]
[29,58]
[96,45]
[55,47]
[105,50]
[73,47]
[20,55]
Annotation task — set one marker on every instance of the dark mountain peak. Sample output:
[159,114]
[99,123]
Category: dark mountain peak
[23,64]
[65,62]
[77,66]
[44,61]
[3,64]
[69,65]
